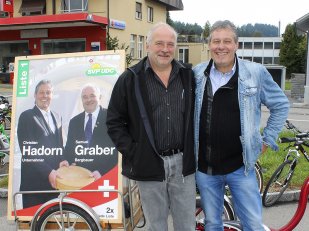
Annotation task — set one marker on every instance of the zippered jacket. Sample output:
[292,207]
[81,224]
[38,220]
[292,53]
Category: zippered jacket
[130,125]
[255,87]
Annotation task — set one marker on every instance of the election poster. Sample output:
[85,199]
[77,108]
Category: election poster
[59,137]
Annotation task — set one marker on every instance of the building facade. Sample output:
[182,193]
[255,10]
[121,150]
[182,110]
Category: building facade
[263,50]
[38,27]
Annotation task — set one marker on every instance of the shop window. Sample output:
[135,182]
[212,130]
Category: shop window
[10,49]
[55,46]
[74,5]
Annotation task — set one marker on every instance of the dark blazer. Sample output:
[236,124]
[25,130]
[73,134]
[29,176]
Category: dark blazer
[34,134]
[76,145]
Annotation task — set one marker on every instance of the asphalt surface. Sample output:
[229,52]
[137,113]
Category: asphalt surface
[275,216]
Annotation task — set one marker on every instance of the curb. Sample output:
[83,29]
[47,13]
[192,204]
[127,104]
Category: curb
[287,196]
[3,193]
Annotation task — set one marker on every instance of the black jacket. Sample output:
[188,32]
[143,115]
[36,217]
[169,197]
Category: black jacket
[130,125]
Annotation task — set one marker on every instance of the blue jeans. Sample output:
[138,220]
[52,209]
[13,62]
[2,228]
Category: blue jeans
[176,195]
[245,195]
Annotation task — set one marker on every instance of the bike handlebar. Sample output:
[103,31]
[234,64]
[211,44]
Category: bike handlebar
[298,137]
[291,126]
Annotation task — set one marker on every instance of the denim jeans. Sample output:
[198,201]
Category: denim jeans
[245,196]
[176,194]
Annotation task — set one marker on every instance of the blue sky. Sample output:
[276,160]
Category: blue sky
[241,12]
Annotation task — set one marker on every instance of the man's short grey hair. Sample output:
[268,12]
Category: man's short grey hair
[93,86]
[42,82]
[226,24]
[157,26]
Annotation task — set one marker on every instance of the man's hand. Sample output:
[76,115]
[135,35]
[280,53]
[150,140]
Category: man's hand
[64,163]
[52,178]
[96,175]
[264,148]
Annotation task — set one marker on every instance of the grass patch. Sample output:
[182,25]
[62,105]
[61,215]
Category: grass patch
[287,84]
[271,160]
[4,182]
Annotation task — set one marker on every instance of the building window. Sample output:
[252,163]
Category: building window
[276,60]
[240,45]
[132,45]
[268,60]
[140,47]
[8,51]
[257,59]
[138,11]
[258,45]
[247,58]
[29,7]
[183,55]
[74,5]
[277,45]
[268,45]
[247,45]
[54,46]
[149,14]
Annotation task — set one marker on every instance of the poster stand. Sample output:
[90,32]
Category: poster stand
[33,158]
[129,197]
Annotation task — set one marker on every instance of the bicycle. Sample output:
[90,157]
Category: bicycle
[6,109]
[301,208]
[282,176]
[4,151]
[228,210]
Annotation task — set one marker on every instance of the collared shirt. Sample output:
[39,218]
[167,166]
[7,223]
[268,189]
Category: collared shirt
[167,105]
[219,79]
[94,117]
[49,119]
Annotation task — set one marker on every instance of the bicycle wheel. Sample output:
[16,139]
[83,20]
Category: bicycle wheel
[228,214]
[4,174]
[227,226]
[259,175]
[232,226]
[7,123]
[278,183]
[73,217]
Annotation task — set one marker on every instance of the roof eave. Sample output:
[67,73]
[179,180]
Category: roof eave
[302,24]
[172,5]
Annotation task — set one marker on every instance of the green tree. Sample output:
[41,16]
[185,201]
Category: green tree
[293,51]
[113,44]
[206,30]
[169,21]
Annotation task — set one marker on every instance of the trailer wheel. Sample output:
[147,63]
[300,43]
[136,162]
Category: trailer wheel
[74,218]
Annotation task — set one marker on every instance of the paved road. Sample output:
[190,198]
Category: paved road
[275,217]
